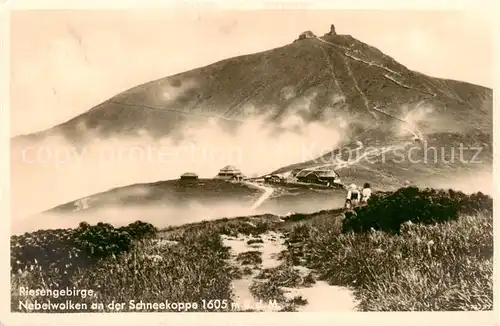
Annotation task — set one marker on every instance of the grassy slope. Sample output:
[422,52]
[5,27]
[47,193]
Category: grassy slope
[176,193]
[172,193]
[434,267]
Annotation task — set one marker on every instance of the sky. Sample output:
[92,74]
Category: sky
[65,62]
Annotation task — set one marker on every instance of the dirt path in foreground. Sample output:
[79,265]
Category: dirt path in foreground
[320,296]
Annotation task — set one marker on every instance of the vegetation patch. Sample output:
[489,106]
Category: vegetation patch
[285,275]
[298,301]
[196,268]
[446,265]
[252,257]
[267,292]
[254,241]
[387,212]
[410,250]
[246,270]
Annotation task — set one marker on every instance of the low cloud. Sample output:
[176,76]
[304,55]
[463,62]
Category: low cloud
[52,172]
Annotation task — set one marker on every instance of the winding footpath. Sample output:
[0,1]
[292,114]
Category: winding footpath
[346,163]
[373,64]
[416,132]
[268,191]
[320,296]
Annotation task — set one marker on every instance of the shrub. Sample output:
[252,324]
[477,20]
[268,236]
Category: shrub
[267,291]
[253,257]
[295,217]
[254,241]
[43,249]
[286,275]
[298,300]
[140,230]
[388,211]
[101,240]
[60,252]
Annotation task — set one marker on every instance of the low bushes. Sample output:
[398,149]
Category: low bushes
[193,270]
[412,249]
[253,257]
[189,271]
[68,249]
[388,211]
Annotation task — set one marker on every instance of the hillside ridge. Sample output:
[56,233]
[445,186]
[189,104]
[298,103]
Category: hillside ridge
[357,78]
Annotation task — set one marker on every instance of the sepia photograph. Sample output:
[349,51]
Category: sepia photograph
[201,159]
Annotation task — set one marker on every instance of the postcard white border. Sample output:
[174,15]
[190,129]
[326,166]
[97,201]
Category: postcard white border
[357,318]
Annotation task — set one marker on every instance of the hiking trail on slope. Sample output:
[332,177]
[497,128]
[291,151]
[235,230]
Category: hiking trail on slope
[320,296]
[267,193]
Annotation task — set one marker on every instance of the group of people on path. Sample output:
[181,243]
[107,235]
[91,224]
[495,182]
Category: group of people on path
[357,195]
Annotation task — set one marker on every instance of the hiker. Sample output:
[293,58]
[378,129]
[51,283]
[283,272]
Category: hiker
[366,193]
[353,196]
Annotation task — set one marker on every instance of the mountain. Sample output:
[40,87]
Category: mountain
[382,110]
[317,78]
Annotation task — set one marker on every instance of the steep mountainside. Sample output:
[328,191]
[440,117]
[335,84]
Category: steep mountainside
[320,79]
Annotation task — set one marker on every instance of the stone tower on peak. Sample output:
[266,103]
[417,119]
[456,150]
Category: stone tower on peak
[332,30]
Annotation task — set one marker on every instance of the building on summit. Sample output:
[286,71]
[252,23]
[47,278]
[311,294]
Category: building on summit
[189,176]
[230,172]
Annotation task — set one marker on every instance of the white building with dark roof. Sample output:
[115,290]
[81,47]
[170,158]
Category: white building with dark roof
[230,172]
[319,176]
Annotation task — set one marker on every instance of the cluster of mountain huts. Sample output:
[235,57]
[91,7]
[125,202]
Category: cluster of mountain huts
[317,176]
